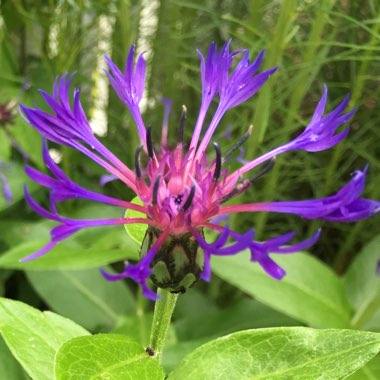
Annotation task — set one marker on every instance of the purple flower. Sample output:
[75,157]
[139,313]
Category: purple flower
[183,190]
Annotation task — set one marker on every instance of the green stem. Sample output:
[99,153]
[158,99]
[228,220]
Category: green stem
[163,312]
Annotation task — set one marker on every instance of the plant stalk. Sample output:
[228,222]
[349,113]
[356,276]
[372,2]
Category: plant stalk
[163,312]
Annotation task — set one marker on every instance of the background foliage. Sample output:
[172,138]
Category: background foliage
[313,42]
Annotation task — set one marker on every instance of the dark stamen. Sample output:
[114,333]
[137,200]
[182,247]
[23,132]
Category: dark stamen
[137,161]
[243,139]
[182,124]
[244,185]
[149,144]
[268,166]
[189,199]
[218,161]
[155,190]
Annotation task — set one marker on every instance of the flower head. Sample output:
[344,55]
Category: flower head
[183,188]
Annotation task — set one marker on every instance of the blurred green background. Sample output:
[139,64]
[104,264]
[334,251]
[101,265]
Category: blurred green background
[313,42]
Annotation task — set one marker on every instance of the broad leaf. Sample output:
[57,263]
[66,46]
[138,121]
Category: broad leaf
[16,178]
[136,326]
[369,372]
[29,140]
[195,330]
[362,284]
[194,304]
[280,353]
[64,256]
[111,357]
[19,231]
[310,292]
[9,367]
[246,314]
[5,147]
[34,336]
[84,296]
[174,353]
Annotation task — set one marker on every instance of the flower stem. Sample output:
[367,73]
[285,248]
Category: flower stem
[163,312]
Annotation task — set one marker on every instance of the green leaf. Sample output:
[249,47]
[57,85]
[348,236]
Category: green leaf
[194,304]
[137,230]
[310,292]
[362,284]
[369,372]
[174,353]
[28,139]
[19,231]
[84,296]
[194,330]
[108,357]
[64,256]
[34,336]
[373,322]
[246,314]
[9,367]
[280,353]
[16,178]
[5,146]
[136,327]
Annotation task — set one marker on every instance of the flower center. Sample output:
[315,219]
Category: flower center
[178,199]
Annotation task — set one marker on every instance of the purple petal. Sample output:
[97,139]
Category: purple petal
[48,247]
[271,268]
[38,209]
[300,246]
[104,179]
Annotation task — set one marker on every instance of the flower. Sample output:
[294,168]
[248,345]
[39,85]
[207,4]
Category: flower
[183,189]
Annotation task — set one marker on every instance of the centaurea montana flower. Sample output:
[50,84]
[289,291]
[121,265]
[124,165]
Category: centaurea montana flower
[183,189]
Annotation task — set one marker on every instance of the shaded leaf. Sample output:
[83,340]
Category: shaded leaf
[16,178]
[246,314]
[310,292]
[9,367]
[63,256]
[362,284]
[369,372]
[84,296]
[136,327]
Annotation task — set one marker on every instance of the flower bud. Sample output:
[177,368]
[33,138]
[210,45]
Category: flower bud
[177,264]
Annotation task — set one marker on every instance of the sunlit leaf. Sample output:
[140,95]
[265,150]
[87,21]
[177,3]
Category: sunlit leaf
[280,353]
[34,336]
[110,356]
